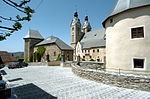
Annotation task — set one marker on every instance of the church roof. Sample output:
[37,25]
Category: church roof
[57,41]
[123,5]
[93,39]
[34,34]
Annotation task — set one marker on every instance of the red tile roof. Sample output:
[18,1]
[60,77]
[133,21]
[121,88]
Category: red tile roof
[5,57]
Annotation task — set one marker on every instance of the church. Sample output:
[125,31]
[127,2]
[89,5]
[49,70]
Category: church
[88,44]
[54,48]
[123,43]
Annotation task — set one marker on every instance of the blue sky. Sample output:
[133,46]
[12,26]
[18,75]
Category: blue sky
[53,17]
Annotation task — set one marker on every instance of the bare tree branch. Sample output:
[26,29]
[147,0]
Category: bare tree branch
[13,6]
[10,19]
[8,28]
[5,30]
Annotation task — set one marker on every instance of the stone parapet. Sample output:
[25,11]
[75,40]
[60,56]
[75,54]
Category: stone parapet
[138,82]
[38,64]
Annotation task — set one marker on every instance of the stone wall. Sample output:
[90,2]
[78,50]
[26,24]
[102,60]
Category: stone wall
[51,53]
[28,47]
[38,64]
[138,82]
[54,63]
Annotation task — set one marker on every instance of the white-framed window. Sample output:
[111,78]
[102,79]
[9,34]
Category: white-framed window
[138,63]
[137,32]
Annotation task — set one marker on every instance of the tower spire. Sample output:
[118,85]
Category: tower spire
[86,25]
[86,18]
[76,14]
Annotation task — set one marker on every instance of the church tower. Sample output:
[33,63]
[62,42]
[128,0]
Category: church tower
[75,30]
[86,25]
[30,40]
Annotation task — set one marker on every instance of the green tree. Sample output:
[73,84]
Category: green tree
[24,10]
[40,52]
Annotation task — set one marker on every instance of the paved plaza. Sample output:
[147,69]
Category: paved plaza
[37,82]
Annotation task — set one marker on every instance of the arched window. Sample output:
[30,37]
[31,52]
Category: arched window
[73,29]
[54,53]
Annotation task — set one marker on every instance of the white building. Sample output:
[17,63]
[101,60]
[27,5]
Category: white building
[128,36]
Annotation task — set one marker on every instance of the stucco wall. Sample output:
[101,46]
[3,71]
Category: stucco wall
[120,49]
[89,52]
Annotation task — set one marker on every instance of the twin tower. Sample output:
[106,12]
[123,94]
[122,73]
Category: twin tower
[77,30]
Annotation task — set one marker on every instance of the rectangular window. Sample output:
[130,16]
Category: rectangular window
[137,32]
[139,63]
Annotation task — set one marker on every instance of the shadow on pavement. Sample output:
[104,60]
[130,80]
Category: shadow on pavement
[31,91]
[16,79]
[3,72]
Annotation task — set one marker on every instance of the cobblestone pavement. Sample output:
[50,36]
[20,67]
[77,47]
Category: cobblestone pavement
[50,82]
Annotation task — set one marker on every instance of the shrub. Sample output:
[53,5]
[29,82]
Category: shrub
[39,53]
[26,60]
[31,58]
[83,59]
[92,60]
[58,58]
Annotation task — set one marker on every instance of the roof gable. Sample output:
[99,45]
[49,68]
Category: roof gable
[93,39]
[57,41]
[33,34]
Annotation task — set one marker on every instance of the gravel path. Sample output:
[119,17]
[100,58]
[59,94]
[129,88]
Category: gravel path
[37,82]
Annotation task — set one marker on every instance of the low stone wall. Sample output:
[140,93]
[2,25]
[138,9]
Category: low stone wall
[139,82]
[66,64]
[92,65]
[38,64]
[54,63]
